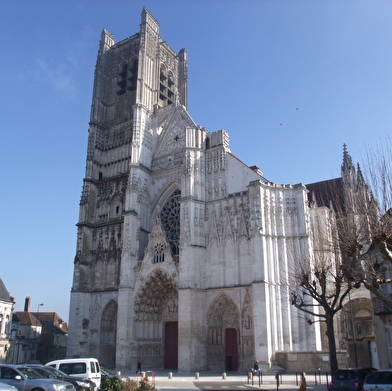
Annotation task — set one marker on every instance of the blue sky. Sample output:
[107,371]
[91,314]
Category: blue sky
[252,64]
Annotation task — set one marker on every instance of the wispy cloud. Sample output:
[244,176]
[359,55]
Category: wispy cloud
[58,76]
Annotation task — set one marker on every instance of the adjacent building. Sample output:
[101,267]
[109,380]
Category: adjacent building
[37,336]
[6,307]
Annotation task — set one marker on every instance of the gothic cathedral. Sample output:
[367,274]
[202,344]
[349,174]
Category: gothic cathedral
[184,254]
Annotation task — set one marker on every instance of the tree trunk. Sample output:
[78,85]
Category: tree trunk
[333,359]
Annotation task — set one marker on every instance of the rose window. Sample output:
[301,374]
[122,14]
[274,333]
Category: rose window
[170,218]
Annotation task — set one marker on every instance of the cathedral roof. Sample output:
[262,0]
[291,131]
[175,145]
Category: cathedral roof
[327,193]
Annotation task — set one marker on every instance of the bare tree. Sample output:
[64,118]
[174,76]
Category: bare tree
[365,223]
[351,242]
[321,286]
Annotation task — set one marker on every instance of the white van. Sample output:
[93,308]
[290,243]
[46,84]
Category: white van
[88,368]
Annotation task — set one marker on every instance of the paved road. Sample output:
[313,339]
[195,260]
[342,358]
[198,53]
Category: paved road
[214,382]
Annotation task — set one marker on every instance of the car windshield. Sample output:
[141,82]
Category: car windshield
[379,378]
[56,372]
[43,372]
[29,373]
[345,375]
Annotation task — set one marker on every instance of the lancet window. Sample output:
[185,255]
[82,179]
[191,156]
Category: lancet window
[166,87]
[127,76]
[122,78]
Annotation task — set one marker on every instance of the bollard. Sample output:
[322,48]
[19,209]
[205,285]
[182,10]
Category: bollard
[197,375]
[118,373]
[170,375]
[303,386]
[224,375]
[250,377]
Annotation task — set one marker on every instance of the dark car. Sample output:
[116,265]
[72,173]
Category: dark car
[349,379]
[48,372]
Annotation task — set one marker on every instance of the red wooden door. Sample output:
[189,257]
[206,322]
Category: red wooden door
[171,345]
[231,359]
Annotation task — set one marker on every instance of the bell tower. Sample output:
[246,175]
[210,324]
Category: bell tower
[134,78]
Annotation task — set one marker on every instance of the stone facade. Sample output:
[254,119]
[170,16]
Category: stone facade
[185,255]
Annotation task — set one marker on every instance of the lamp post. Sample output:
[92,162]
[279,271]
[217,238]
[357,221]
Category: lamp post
[36,329]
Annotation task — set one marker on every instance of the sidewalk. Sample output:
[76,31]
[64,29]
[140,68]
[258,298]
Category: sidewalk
[166,380]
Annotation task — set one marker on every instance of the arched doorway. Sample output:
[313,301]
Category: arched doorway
[107,346]
[156,330]
[223,325]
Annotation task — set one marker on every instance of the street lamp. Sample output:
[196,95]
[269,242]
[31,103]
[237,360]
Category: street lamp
[36,329]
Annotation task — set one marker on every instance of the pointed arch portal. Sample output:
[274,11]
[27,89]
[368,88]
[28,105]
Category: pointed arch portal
[223,326]
[107,346]
[156,323]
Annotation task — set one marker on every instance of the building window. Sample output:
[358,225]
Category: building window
[7,326]
[170,218]
[388,330]
[166,87]
[132,75]
[122,78]
[159,253]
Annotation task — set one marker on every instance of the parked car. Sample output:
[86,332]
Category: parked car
[87,368]
[7,387]
[379,381]
[349,379]
[79,383]
[26,379]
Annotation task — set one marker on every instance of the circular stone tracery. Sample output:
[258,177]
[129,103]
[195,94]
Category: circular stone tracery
[170,218]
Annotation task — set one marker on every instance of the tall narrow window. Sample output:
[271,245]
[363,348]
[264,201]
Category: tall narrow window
[132,75]
[166,87]
[122,78]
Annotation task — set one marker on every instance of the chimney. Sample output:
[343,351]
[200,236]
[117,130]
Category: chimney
[27,304]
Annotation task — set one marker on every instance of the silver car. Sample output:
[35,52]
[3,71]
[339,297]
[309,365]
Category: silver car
[26,379]
[7,387]
[378,381]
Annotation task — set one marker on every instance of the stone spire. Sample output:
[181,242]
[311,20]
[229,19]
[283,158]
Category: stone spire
[347,160]
[360,178]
